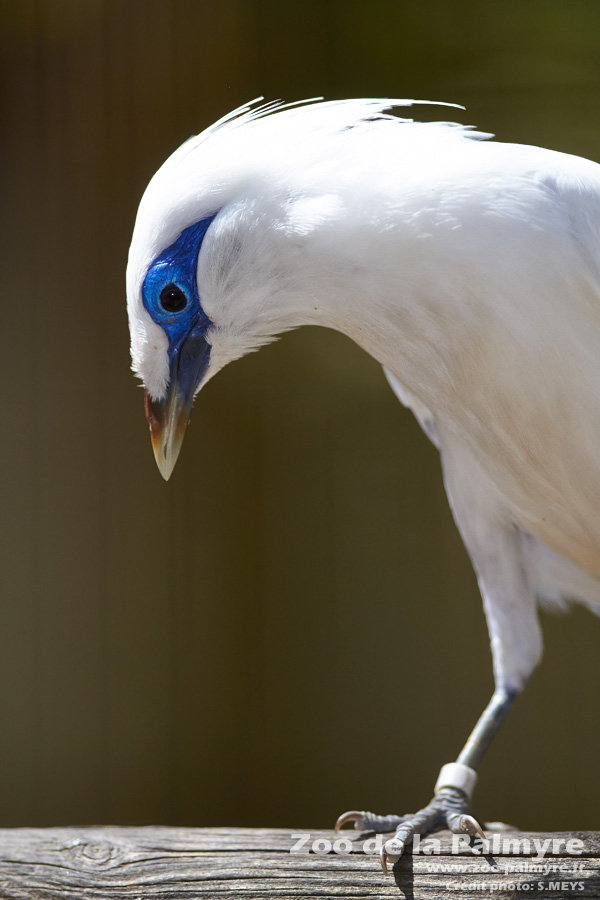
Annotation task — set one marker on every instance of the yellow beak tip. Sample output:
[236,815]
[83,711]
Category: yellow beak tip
[166,455]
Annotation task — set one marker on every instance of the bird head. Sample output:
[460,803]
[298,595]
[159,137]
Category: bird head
[194,254]
[233,233]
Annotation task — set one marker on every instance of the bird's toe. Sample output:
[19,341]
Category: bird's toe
[368,821]
[391,852]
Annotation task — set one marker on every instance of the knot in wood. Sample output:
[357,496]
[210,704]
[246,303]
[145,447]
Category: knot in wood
[94,851]
[99,851]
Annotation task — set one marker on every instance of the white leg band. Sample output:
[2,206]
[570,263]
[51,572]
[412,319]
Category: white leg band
[455,775]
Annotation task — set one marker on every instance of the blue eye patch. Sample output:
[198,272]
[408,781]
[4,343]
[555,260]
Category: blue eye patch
[170,289]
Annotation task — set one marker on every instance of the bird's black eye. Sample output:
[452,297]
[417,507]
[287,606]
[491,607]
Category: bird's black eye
[172,298]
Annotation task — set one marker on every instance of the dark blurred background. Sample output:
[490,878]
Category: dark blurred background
[291,626]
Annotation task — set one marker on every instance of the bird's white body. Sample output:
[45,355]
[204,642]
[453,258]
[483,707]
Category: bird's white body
[469,269]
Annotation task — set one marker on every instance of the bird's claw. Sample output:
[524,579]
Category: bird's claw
[352,816]
[467,824]
[383,858]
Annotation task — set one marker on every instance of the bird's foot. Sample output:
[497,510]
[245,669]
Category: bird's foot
[449,808]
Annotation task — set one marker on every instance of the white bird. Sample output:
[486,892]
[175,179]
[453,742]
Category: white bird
[470,269]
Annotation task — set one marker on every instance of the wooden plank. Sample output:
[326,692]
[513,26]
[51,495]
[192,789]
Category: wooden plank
[162,863]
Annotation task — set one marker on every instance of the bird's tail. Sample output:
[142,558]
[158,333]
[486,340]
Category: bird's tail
[558,582]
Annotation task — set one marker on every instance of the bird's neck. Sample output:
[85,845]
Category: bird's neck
[379,286]
[412,331]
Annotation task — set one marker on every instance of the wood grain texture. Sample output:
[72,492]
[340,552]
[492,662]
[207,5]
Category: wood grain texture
[175,863]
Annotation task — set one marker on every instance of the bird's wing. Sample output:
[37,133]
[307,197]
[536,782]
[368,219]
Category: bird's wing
[504,560]
[553,580]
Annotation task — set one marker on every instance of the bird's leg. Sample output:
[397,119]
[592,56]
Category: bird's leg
[500,554]
[450,807]
[486,727]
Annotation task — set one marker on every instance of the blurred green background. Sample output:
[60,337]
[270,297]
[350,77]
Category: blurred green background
[291,626]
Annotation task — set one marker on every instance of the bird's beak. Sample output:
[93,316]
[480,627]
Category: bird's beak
[168,417]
